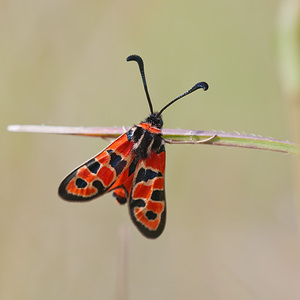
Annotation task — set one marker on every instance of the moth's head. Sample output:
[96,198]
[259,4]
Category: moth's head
[155,119]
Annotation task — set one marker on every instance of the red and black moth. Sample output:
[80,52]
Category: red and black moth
[133,167]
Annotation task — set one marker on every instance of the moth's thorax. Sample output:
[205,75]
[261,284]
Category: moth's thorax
[146,138]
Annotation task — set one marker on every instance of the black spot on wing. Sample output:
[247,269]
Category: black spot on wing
[151,215]
[120,167]
[114,159]
[99,186]
[145,175]
[137,203]
[150,175]
[116,162]
[158,195]
[93,166]
[140,176]
[80,183]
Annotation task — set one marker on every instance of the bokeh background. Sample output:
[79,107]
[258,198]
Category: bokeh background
[232,229]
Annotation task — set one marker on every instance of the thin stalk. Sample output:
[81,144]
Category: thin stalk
[175,136]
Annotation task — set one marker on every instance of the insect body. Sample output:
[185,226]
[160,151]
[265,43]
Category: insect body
[133,167]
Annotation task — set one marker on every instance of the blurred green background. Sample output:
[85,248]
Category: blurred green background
[232,220]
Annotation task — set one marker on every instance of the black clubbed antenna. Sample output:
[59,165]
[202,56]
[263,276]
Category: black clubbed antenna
[200,85]
[140,62]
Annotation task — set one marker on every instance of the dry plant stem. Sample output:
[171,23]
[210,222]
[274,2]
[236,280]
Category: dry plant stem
[178,136]
[122,282]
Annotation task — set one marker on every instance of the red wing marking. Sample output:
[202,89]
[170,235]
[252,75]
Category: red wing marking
[96,176]
[147,202]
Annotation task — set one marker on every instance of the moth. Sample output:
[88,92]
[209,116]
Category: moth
[132,167]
